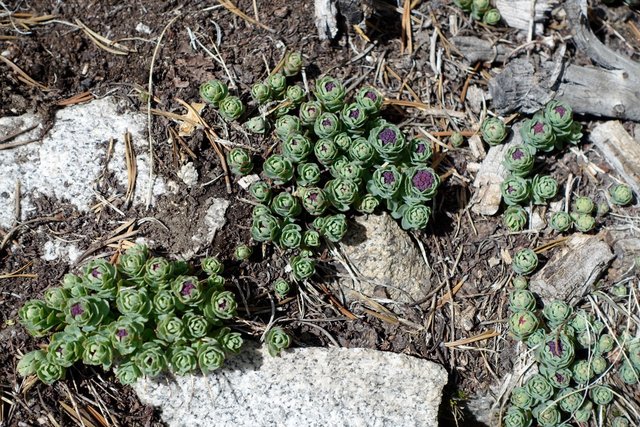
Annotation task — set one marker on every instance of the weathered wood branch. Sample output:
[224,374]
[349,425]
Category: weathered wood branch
[620,150]
[518,13]
[479,50]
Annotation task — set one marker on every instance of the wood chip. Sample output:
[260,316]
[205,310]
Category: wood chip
[620,150]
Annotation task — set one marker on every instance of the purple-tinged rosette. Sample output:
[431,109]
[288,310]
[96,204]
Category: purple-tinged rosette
[388,141]
[420,185]
[385,182]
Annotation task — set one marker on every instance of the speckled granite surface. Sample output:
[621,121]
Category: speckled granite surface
[304,387]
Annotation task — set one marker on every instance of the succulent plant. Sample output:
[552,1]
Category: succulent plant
[281,288]
[261,92]
[493,130]
[49,372]
[556,312]
[543,189]
[522,300]
[297,148]
[515,190]
[89,313]
[414,217]
[516,417]
[385,182]
[258,125]
[621,194]
[600,395]
[620,422]
[515,218]
[309,112]
[370,99]
[420,185]
[367,204]
[278,168]
[97,350]
[583,222]
[276,340]
[242,252]
[308,174]
[559,378]
[561,221]
[570,400]
[295,94]
[547,414]
[261,191]
[519,159]
[539,388]
[290,236]
[354,117]
[221,305]
[583,205]
[492,17]
[582,372]
[342,141]
[606,343]
[265,228]
[536,338]
[522,324]
[239,161]
[292,64]
[628,373]
[420,151]
[326,151]
[342,193]
[231,108]
[525,261]
[520,282]
[277,83]
[599,364]
[210,355]
[101,277]
[537,133]
[521,398]
[213,92]
[456,139]
[302,267]
[170,328]
[557,352]
[127,372]
[388,142]
[330,92]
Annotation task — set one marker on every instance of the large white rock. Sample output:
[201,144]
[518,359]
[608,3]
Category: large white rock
[383,254]
[70,159]
[304,387]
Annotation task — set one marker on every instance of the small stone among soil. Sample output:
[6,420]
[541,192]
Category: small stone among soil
[304,387]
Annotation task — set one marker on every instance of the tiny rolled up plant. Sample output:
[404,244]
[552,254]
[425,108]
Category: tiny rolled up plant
[160,317]
[515,218]
[525,261]
[493,130]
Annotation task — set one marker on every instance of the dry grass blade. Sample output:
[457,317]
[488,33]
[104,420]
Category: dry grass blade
[103,42]
[98,416]
[57,218]
[480,337]
[80,416]
[407,42]
[121,233]
[22,76]
[24,20]
[234,9]
[132,172]
[336,303]
[19,273]
[552,244]
[448,296]
[424,107]
[76,99]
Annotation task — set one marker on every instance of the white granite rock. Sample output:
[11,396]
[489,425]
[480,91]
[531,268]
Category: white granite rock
[384,255]
[304,387]
[69,160]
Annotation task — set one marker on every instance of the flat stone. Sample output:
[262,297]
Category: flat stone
[69,160]
[383,254]
[571,272]
[304,387]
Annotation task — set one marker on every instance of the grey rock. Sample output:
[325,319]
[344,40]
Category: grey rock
[383,254]
[68,161]
[571,272]
[304,387]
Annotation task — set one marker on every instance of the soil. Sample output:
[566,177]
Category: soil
[60,56]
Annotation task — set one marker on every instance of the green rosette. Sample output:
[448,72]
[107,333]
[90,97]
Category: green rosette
[492,17]
[222,305]
[583,414]
[261,191]
[132,262]
[230,341]
[420,151]
[158,272]
[276,340]
[291,236]
[362,152]
[28,364]
[518,160]
[326,151]
[515,218]
[583,222]
[292,64]
[634,352]
[515,190]
[265,228]
[74,284]
[543,189]
[351,171]
[557,352]
[570,400]
[583,205]
[150,359]
[287,125]
[277,83]
[479,8]
[231,108]
[330,92]
[164,302]
[134,302]
[101,277]
[309,112]
[311,238]
[49,372]
[561,221]
[261,93]
[354,117]
[388,141]
[286,205]
[341,193]
[601,395]
[65,348]
[385,182]
[456,139]
[87,313]
[539,134]
[582,321]
[188,290]
[215,282]
[127,373]
[523,324]
[125,334]
[183,360]
[547,414]
[521,398]
[239,161]
[213,92]
[522,300]
[210,355]
[536,339]
[621,194]
[560,116]
[599,364]
[582,372]
[297,148]
[334,227]
[260,210]
[278,168]
[370,99]
[170,328]
[327,126]
[308,174]
[414,217]
[524,262]
[242,252]
[38,318]
[620,422]
[367,204]
[314,200]
[558,378]
[465,5]
[516,417]
[295,94]
[628,373]
[539,388]
[493,131]
[302,267]
[556,312]
[97,350]
[257,125]
[281,287]
[343,141]
[421,185]
[520,282]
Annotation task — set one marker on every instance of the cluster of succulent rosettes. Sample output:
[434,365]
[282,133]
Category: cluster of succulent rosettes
[551,128]
[574,353]
[141,317]
[481,10]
